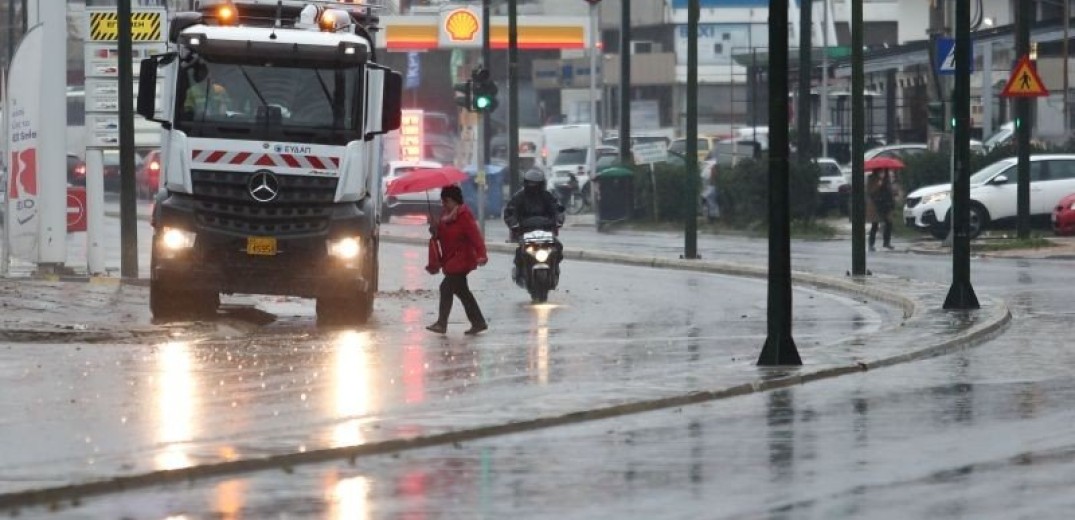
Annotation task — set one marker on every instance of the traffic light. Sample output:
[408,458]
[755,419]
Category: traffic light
[484,90]
[463,95]
[936,114]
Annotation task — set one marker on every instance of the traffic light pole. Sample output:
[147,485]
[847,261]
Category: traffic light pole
[625,83]
[484,127]
[961,294]
[128,216]
[513,97]
[690,246]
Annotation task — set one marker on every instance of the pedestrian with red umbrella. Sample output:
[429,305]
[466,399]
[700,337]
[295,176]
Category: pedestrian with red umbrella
[881,194]
[462,250]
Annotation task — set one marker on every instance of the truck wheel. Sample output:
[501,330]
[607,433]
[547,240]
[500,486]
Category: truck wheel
[168,303]
[351,310]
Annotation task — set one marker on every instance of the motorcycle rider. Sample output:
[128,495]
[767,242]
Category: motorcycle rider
[533,200]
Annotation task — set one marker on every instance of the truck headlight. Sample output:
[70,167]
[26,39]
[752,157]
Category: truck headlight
[346,248]
[936,197]
[175,239]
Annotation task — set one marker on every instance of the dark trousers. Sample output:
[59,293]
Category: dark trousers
[456,285]
[886,234]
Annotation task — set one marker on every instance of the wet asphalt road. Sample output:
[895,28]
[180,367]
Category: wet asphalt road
[985,433]
[88,412]
[981,434]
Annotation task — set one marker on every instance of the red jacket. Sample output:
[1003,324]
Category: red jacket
[461,244]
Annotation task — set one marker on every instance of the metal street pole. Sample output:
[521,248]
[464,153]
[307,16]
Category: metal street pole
[824,108]
[806,8]
[625,82]
[591,157]
[779,347]
[690,245]
[858,181]
[1067,30]
[513,97]
[10,30]
[1023,16]
[127,202]
[961,294]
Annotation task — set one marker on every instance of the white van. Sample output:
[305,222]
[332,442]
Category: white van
[557,137]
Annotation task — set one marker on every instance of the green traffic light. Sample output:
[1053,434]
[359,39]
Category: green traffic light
[482,102]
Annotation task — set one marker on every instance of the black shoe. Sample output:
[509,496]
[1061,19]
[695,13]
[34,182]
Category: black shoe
[476,329]
[438,327]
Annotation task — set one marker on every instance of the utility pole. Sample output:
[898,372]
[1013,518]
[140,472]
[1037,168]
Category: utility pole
[625,83]
[806,8]
[779,347]
[127,202]
[1023,17]
[961,294]
[858,180]
[690,246]
[513,97]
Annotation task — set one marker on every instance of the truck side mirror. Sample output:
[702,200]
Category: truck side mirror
[392,102]
[147,88]
[147,91]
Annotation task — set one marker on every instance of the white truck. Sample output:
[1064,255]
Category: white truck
[273,117]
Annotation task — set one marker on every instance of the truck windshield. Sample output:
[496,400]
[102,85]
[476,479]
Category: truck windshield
[270,103]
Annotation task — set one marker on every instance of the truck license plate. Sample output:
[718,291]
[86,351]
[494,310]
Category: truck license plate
[264,246]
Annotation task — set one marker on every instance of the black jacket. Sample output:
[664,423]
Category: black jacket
[525,205]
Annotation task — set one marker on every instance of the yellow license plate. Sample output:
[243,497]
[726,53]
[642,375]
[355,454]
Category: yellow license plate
[263,246]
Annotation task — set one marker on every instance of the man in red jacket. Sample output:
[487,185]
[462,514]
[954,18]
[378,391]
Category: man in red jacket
[462,250]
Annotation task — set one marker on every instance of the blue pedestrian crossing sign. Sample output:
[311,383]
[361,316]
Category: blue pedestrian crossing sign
[946,56]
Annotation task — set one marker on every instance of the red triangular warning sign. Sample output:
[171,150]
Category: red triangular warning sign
[1024,81]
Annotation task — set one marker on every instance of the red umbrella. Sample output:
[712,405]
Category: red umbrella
[883,163]
[425,180]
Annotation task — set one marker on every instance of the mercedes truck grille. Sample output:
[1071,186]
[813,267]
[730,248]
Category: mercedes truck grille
[302,204]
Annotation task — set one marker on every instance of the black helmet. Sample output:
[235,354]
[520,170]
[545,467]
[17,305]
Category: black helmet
[534,180]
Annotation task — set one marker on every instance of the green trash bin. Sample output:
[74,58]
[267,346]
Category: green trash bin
[615,194]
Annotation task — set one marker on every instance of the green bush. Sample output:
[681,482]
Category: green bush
[743,192]
[671,179]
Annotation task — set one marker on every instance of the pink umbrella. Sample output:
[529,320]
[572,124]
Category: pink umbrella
[425,179]
[883,163]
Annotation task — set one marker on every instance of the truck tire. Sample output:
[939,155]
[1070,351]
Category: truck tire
[351,309]
[169,303]
[345,310]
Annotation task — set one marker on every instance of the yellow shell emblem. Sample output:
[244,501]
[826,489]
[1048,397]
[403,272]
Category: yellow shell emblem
[461,25]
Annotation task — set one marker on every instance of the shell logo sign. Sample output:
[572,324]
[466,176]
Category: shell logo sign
[460,28]
[461,25]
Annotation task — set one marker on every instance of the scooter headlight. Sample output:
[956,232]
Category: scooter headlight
[541,255]
[346,248]
[175,239]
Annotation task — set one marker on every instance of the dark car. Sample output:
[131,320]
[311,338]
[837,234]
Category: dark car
[76,171]
[148,175]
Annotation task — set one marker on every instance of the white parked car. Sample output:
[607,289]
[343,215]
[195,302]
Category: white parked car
[993,194]
[408,203]
[833,186]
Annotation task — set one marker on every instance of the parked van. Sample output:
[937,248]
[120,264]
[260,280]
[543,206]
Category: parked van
[557,137]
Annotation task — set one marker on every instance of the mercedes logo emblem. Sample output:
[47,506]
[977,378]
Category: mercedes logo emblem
[263,186]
